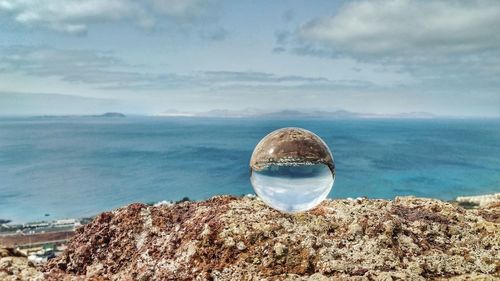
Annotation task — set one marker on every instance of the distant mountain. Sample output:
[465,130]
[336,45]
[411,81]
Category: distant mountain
[222,113]
[231,113]
[293,113]
[311,114]
[286,114]
[175,113]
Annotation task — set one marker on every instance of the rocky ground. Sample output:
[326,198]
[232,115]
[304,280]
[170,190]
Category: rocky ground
[14,266]
[228,238]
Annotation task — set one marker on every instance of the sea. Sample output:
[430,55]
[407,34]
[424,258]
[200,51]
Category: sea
[71,167]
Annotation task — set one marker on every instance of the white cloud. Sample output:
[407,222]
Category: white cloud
[452,46]
[74,16]
[182,8]
[103,70]
[405,27]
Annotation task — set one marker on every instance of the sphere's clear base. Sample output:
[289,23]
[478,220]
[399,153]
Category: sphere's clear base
[293,188]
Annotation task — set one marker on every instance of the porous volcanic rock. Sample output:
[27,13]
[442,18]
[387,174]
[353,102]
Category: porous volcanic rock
[16,267]
[229,238]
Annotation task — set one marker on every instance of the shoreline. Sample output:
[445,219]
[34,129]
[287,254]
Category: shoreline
[478,201]
[465,201]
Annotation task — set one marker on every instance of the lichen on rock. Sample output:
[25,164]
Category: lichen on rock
[229,238]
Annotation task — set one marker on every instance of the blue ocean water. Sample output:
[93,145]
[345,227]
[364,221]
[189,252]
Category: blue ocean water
[80,166]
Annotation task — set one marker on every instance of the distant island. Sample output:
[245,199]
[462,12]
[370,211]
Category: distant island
[110,114]
[292,113]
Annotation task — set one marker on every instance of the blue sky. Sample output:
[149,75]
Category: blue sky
[147,57]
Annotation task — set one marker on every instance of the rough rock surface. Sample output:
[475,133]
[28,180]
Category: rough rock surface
[228,238]
[13,266]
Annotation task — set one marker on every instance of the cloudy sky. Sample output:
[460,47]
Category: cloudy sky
[84,56]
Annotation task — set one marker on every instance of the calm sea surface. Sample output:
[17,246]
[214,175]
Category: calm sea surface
[74,167]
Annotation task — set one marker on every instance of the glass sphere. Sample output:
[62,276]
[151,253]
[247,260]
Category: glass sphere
[292,170]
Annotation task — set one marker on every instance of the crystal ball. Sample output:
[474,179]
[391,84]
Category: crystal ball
[292,170]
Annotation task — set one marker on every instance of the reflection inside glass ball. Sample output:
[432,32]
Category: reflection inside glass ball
[292,170]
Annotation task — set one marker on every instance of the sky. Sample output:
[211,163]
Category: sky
[151,56]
